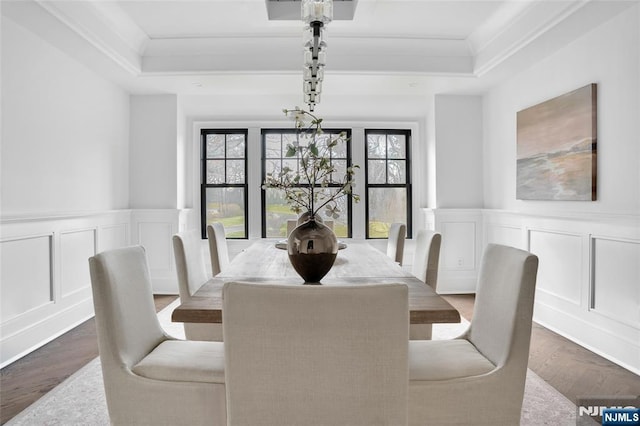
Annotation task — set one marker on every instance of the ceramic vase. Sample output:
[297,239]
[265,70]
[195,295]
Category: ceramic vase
[312,249]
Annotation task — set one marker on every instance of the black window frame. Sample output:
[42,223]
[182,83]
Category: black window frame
[263,203]
[203,177]
[407,185]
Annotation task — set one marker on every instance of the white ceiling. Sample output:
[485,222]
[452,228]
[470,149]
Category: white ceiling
[392,49]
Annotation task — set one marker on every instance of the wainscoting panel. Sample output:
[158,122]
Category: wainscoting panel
[458,246]
[560,264]
[75,248]
[154,229]
[619,298]
[113,236]
[505,235]
[588,276]
[45,288]
[154,237]
[461,248]
[25,288]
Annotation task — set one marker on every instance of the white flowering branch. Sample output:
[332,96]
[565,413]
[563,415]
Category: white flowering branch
[308,189]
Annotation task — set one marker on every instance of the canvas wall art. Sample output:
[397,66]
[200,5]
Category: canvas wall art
[556,150]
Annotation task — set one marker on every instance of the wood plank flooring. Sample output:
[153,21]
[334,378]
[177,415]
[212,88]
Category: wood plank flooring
[571,369]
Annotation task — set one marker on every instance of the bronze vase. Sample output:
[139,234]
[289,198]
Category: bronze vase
[312,248]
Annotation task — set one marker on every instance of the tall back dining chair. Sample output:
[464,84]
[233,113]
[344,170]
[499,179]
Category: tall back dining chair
[218,249]
[425,267]
[191,272]
[149,377]
[479,377]
[427,257]
[395,242]
[316,355]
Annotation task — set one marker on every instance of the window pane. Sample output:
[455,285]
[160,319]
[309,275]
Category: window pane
[277,213]
[291,163]
[322,140]
[235,146]
[272,166]
[340,150]
[376,146]
[273,146]
[341,170]
[215,146]
[386,206]
[235,171]
[215,171]
[397,146]
[397,172]
[290,139]
[376,172]
[226,205]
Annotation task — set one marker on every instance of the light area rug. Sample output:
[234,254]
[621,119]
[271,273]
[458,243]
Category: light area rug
[80,399]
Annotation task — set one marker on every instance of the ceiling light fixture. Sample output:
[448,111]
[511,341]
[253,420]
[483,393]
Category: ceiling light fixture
[316,14]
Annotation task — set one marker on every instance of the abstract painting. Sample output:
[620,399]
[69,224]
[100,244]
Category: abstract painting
[557,148]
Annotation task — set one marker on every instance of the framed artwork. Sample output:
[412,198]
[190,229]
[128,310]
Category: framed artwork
[556,148]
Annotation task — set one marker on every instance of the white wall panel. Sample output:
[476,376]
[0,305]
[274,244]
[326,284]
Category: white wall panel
[26,273]
[461,247]
[616,280]
[505,235]
[458,250]
[110,237]
[560,263]
[156,239]
[154,229]
[45,288]
[76,248]
[588,276]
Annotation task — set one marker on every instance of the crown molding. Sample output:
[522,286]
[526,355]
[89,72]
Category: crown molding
[526,23]
[105,37]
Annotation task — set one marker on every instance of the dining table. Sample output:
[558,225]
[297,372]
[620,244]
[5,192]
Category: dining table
[357,263]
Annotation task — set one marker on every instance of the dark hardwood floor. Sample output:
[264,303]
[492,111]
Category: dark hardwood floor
[571,369]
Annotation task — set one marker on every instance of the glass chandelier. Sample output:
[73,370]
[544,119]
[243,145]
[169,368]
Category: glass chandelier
[316,14]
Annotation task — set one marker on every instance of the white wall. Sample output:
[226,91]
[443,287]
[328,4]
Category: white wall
[64,134]
[608,56]
[589,270]
[65,175]
[458,145]
[154,151]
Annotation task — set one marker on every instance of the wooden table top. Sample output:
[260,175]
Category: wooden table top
[358,264]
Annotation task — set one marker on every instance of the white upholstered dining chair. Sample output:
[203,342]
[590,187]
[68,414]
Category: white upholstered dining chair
[479,377]
[316,355]
[395,242]
[218,249]
[425,267]
[190,269]
[149,377]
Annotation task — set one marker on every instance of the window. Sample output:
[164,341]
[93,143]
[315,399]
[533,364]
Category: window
[223,194]
[388,185]
[275,211]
